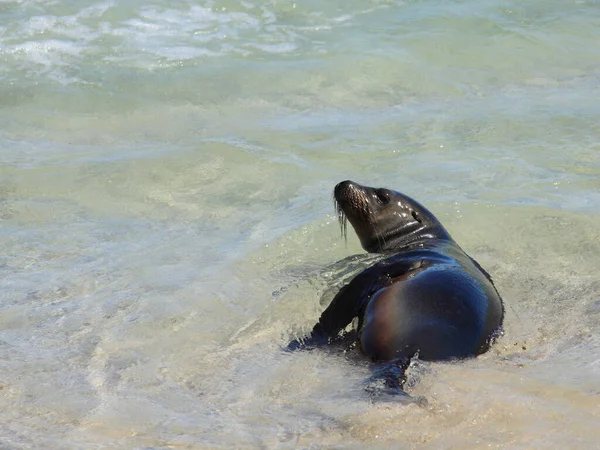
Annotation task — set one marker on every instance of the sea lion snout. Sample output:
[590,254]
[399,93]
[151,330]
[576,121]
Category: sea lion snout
[351,200]
[346,190]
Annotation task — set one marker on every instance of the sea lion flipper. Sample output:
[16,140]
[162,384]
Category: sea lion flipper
[343,308]
[395,395]
[306,344]
[352,298]
[387,383]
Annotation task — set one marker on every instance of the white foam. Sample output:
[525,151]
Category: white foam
[42,41]
[46,52]
[284,47]
[185,52]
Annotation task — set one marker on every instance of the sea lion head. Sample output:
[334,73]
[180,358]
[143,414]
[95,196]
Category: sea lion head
[384,220]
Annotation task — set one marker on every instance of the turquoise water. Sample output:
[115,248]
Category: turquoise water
[166,171]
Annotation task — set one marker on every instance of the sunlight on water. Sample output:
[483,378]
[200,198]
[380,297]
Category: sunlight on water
[166,219]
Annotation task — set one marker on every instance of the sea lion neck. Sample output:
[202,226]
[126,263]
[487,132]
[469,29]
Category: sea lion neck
[422,237]
[426,231]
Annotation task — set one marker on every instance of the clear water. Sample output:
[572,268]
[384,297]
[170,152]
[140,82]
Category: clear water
[166,171]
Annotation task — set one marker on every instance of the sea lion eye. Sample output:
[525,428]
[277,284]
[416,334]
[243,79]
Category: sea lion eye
[416,216]
[383,196]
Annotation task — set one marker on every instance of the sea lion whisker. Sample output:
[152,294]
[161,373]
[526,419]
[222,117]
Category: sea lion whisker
[342,219]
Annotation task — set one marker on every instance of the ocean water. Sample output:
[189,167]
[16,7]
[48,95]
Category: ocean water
[166,223]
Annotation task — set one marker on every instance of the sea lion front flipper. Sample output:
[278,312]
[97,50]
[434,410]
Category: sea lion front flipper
[352,299]
[345,306]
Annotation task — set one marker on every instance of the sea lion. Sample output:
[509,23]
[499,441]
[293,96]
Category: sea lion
[427,297]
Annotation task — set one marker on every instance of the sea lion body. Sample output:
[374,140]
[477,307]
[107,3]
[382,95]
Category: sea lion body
[439,309]
[427,298]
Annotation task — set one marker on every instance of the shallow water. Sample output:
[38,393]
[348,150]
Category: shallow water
[166,217]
